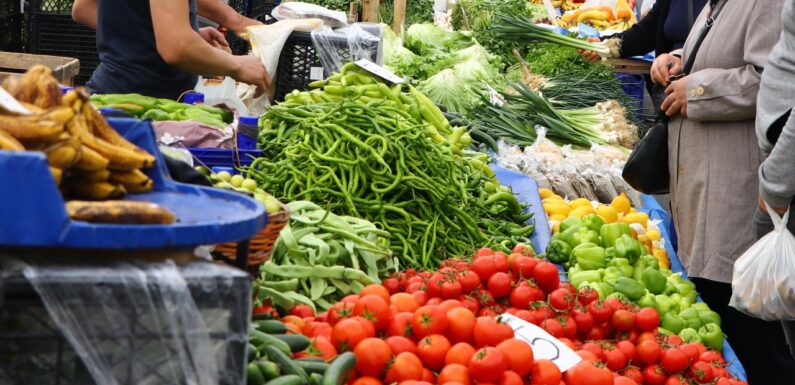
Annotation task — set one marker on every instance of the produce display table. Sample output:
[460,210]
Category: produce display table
[526,191]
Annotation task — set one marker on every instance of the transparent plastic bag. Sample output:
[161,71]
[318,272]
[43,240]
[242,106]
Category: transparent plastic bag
[298,10]
[336,47]
[763,285]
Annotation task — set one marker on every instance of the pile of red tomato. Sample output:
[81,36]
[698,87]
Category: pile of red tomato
[422,328]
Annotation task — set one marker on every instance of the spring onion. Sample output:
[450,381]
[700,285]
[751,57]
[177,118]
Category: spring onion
[519,27]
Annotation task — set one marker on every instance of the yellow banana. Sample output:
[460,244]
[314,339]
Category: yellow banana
[593,14]
[99,190]
[34,127]
[91,160]
[9,143]
[120,212]
[90,176]
[104,131]
[57,173]
[140,188]
[119,158]
[63,157]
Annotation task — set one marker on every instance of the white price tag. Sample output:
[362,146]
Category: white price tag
[8,103]
[379,71]
[494,97]
[315,73]
[544,345]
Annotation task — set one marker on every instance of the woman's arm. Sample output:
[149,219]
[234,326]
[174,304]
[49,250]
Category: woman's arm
[716,94]
[221,13]
[85,12]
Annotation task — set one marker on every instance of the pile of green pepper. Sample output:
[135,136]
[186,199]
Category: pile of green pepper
[361,148]
[146,107]
[609,260]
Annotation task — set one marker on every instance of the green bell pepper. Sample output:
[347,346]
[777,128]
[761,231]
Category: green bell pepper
[690,316]
[672,322]
[651,261]
[708,316]
[653,280]
[610,253]
[700,306]
[155,114]
[611,232]
[558,251]
[612,274]
[631,288]
[637,271]
[583,277]
[578,235]
[589,256]
[620,296]
[667,304]
[683,302]
[574,269]
[569,223]
[664,332]
[603,289]
[690,336]
[629,248]
[593,222]
[623,265]
[712,336]
[649,300]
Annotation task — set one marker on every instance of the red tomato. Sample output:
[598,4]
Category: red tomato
[654,375]
[406,366]
[598,333]
[428,377]
[469,281]
[451,289]
[377,290]
[587,356]
[459,353]
[487,365]
[615,359]
[352,298]
[553,327]
[460,324]
[544,372]
[340,310]
[368,326]
[484,298]
[518,354]
[523,267]
[711,356]
[400,325]
[490,332]
[523,249]
[521,297]
[561,299]
[676,380]
[471,304]
[568,343]
[321,347]
[501,262]
[317,329]
[614,303]
[674,340]
[484,267]
[628,348]
[600,311]
[701,372]
[400,344]
[649,352]
[454,373]
[372,357]
[720,372]
[587,295]
[421,297]
[302,311]
[347,334]
[415,287]
[429,320]
[586,373]
[621,380]
[374,309]
[366,381]
[392,285]
[674,360]
[432,351]
[691,351]
[484,252]
[450,304]
[487,312]
[511,378]
[652,336]
[265,309]
[623,320]
[584,321]
[404,302]
[569,326]
[546,274]
[634,374]
[499,285]
[594,348]
[647,319]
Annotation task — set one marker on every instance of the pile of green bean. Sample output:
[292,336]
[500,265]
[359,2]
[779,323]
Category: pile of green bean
[321,257]
[359,148]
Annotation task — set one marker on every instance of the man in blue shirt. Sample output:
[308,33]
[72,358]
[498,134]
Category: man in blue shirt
[155,47]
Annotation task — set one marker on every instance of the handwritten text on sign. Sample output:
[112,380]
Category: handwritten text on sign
[544,345]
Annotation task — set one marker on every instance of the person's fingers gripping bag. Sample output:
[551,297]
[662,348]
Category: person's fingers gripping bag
[763,284]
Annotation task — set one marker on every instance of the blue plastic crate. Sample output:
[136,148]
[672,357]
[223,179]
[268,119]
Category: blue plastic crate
[34,214]
[634,86]
[219,157]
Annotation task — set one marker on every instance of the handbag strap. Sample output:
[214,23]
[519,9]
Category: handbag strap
[691,58]
[690,16]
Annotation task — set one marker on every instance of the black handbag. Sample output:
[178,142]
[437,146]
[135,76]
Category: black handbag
[646,169]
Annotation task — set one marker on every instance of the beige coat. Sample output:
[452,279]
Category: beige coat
[713,153]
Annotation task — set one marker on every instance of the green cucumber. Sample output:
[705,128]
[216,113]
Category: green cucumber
[316,379]
[268,369]
[271,327]
[285,362]
[290,379]
[337,373]
[297,342]
[313,367]
[262,317]
[251,352]
[310,359]
[260,340]
[253,375]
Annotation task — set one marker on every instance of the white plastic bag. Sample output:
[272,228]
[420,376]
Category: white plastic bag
[763,284]
[298,10]
[221,92]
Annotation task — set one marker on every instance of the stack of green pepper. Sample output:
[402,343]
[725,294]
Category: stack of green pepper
[145,107]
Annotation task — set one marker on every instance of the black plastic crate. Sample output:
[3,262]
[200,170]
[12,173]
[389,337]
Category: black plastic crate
[57,34]
[12,26]
[255,9]
[261,10]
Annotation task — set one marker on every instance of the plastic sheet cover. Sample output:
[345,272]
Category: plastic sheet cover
[336,47]
[148,311]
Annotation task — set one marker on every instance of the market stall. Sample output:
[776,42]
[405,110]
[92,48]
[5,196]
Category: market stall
[432,198]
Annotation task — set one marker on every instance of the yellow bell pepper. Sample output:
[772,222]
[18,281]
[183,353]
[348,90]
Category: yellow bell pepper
[557,217]
[581,202]
[653,234]
[640,218]
[553,208]
[546,193]
[607,213]
[621,204]
[581,211]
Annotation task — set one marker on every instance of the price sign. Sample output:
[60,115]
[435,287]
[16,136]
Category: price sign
[544,345]
[8,103]
[379,71]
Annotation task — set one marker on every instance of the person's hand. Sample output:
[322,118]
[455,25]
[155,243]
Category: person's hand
[664,67]
[778,210]
[676,101]
[251,71]
[590,56]
[215,38]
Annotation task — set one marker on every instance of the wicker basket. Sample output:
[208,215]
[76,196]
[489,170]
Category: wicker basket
[261,245]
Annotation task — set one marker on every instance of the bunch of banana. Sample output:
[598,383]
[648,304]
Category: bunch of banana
[91,159]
